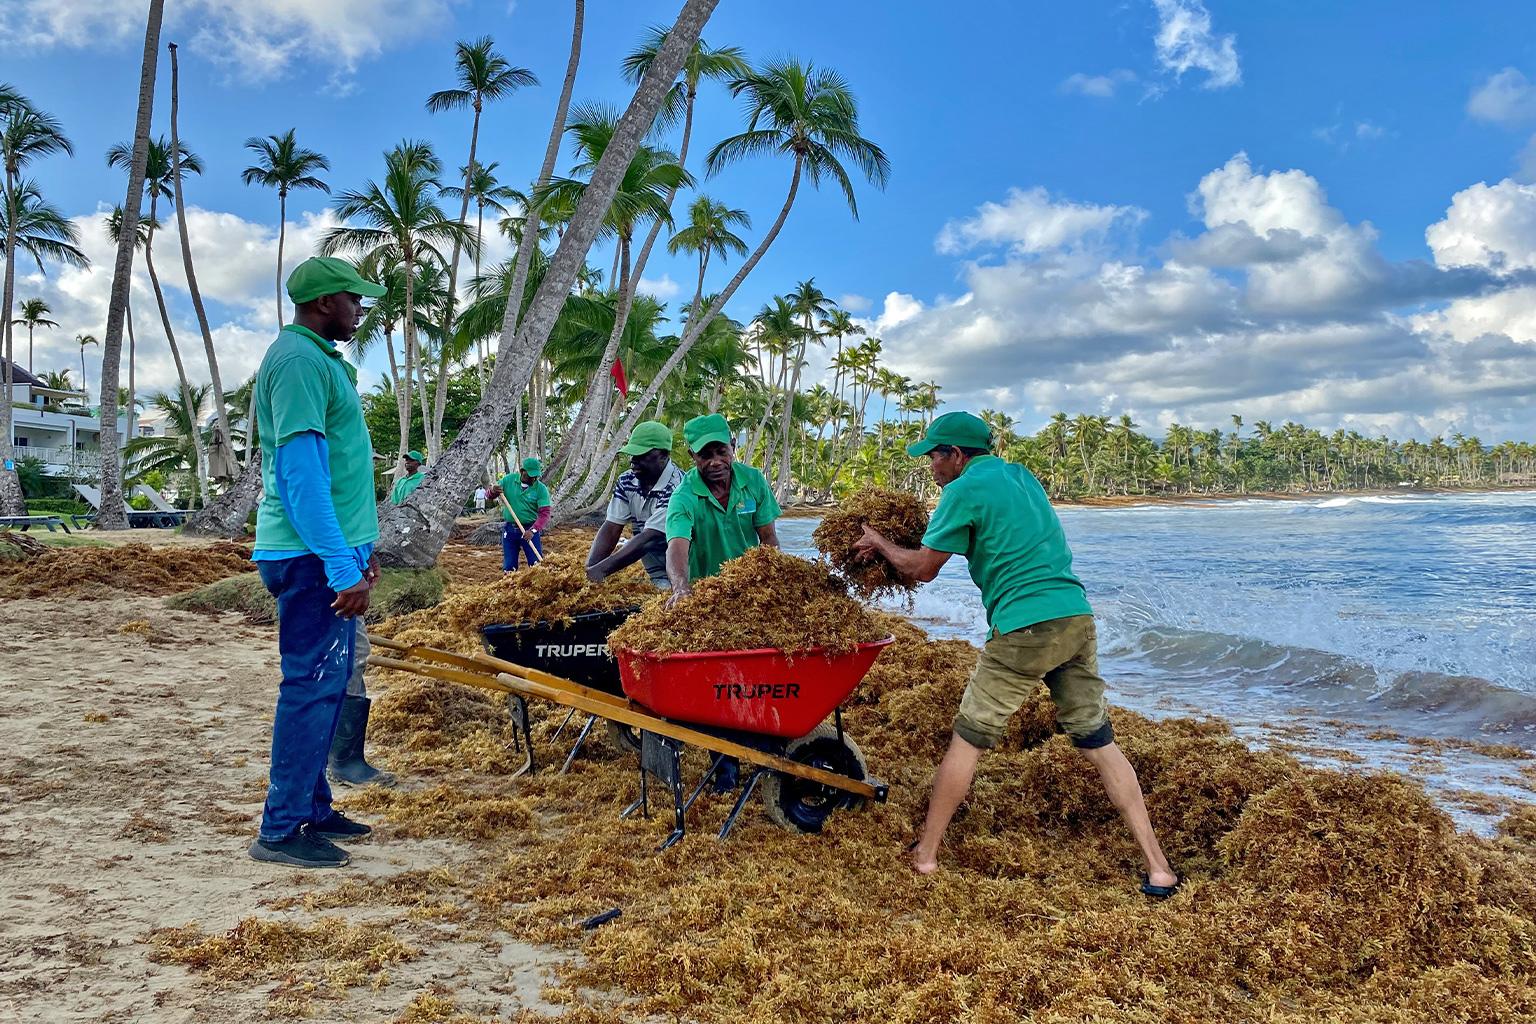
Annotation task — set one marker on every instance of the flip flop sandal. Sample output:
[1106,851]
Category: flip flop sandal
[1159,892]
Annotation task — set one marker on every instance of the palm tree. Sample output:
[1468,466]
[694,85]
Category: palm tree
[159,170]
[142,228]
[401,224]
[650,179]
[224,467]
[709,234]
[26,134]
[483,75]
[811,116]
[112,515]
[482,188]
[174,451]
[34,314]
[83,340]
[283,164]
[810,303]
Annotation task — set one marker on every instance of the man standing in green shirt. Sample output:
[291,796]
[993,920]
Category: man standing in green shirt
[719,511]
[998,517]
[315,530]
[412,479]
[525,495]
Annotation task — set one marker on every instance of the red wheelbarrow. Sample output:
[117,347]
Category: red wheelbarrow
[764,708]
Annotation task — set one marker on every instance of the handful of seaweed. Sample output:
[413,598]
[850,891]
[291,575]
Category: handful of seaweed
[764,599]
[901,517]
[554,590]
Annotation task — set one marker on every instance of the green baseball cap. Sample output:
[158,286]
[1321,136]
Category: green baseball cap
[533,467]
[648,436]
[702,431]
[960,429]
[415,455]
[327,275]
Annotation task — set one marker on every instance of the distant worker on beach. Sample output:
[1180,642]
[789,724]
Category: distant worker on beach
[479,499]
[998,517]
[315,530]
[525,507]
[412,479]
[720,510]
[640,500]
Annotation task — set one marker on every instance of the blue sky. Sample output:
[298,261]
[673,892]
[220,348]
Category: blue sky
[1168,207]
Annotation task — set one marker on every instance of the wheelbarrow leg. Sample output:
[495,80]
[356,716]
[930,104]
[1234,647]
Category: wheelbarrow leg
[517,707]
[662,757]
[741,801]
[581,740]
[714,766]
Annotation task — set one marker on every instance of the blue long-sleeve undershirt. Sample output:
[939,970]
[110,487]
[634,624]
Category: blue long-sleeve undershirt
[303,475]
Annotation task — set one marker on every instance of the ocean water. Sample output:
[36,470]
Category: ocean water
[1413,613]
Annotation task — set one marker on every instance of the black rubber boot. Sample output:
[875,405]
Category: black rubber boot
[346,765]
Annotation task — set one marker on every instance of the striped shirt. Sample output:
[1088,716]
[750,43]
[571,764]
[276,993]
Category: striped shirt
[640,509]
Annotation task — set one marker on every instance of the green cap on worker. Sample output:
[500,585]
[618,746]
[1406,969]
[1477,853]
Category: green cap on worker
[415,455]
[327,275]
[533,467]
[648,436]
[702,431]
[958,429]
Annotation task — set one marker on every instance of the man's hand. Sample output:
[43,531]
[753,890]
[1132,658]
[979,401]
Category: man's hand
[353,601]
[677,595]
[871,544]
[493,493]
[528,534]
[371,574]
[595,575]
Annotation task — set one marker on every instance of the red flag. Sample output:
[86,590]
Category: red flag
[617,370]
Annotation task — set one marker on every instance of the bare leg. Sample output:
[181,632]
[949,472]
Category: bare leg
[1125,793]
[950,784]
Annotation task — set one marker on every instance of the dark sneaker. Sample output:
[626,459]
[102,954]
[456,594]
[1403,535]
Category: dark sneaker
[303,849]
[339,826]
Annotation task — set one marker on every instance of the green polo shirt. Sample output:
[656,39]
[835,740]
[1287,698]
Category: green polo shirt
[305,385]
[525,501]
[404,486]
[997,515]
[719,533]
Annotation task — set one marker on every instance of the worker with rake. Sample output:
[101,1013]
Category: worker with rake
[315,531]
[998,517]
[525,509]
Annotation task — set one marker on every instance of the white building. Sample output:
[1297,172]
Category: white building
[58,428]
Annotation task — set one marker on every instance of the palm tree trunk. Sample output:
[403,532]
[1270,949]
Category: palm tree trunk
[402,404]
[414,533]
[480,350]
[608,447]
[408,332]
[440,400]
[221,414]
[282,236]
[201,469]
[12,501]
[530,240]
[111,515]
[133,398]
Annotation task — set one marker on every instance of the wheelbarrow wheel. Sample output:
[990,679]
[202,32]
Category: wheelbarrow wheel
[801,804]
[623,738]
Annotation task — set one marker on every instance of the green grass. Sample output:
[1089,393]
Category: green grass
[398,591]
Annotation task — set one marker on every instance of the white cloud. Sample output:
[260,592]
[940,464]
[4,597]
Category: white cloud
[853,303]
[1492,226]
[256,40]
[1098,86]
[663,288]
[1278,307]
[1186,41]
[1507,98]
[1030,222]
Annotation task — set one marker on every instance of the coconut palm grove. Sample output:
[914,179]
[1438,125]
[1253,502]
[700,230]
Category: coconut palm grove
[549,512]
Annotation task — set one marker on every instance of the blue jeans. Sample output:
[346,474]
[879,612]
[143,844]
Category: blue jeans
[316,646]
[512,542]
